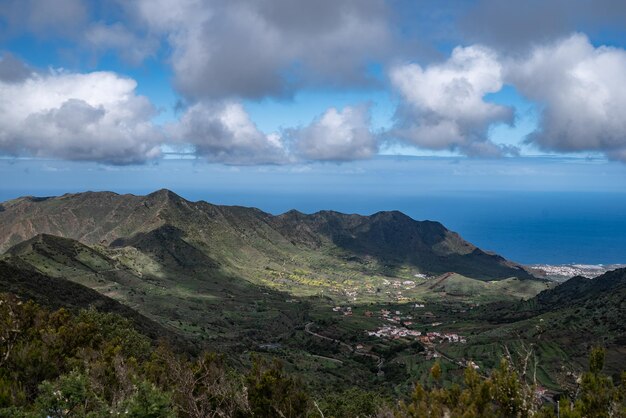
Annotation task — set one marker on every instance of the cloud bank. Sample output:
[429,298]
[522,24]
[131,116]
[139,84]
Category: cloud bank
[95,117]
[582,91]
[225,53]
[442,105]
[99,117]
[258,48]
[337,136]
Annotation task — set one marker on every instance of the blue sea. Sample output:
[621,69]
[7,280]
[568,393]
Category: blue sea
[530,228]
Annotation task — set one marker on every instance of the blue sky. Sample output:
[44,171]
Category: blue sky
[296,86]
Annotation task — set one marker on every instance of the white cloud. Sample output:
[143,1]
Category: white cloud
[132,48]
[337,136]
[95,116]
[223,132]
[258,48]
[44,17]
[443,107]
[582,93]
[12,70]
[99,117]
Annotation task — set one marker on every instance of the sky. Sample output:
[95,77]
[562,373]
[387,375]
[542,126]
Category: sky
[350,104]
[290,82]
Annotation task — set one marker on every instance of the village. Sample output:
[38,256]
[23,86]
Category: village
[401,330]
[429,338]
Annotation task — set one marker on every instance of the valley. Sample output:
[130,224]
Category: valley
[343,300]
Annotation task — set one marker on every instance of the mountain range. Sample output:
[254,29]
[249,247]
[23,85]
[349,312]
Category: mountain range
[232,236]
[236,279]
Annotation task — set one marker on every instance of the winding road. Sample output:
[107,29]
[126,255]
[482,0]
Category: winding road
[379,360]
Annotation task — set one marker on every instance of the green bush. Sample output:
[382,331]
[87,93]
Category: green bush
[92,364]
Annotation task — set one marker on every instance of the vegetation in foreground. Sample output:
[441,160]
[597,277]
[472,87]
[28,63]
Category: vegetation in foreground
[60,364]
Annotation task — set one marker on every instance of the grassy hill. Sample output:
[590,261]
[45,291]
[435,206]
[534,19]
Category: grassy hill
[464,288]
[53,292]
[561,324]
[201,303]
[324,246]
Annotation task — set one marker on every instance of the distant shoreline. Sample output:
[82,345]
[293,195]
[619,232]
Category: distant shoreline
[562,272]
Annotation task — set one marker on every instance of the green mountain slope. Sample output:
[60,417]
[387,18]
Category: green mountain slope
[581,290]
[395,239]
[198,301]
[561,324]
[288,251]
[455,285]
[16,278]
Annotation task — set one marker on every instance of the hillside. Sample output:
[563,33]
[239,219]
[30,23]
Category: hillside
[55,293]
[256,245]
[199,302]
[452,285]
[395,239]
[561,324]
[580,290]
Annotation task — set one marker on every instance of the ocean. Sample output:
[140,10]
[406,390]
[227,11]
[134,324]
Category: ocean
[530,227]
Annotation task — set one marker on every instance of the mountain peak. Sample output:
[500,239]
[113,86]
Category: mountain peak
[163,194]
[391,237]
[391,215]
[293,213]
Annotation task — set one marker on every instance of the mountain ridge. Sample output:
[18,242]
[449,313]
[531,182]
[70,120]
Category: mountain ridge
[391,237]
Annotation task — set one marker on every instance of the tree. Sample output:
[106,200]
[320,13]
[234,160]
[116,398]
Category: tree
[507,393]
[271,393]
[68,396]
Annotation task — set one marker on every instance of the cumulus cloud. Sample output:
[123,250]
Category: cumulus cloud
[95,117]
[336,136]
[258,48]
[517,25]
[44,17]
[99,117]
[131,47]
[13,70]
[223,132]
[442,105]
[582,91]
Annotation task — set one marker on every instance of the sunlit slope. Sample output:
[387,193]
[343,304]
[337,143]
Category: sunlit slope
[290,251]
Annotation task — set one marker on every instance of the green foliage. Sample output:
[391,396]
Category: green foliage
[147,401]
[597,395]
[58,364]
[73,395]
[352,402]
[68,396]
[272,393]
[435,371]
[596,360]
[505,394]
[200,388]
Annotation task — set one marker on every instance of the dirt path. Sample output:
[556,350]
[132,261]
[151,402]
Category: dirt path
[438,280]
[379,360]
